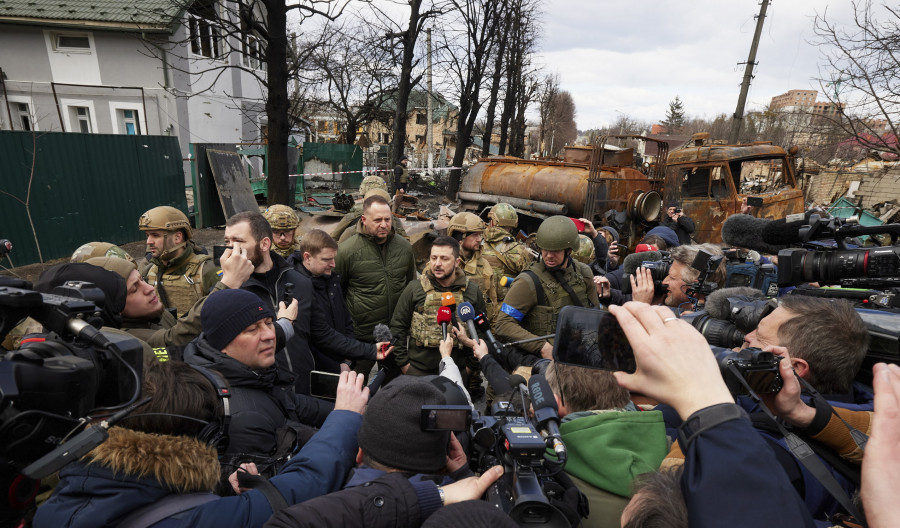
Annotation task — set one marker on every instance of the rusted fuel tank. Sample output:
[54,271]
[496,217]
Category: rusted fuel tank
[598,182]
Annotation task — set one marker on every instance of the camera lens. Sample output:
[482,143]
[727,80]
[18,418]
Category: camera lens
[717,332]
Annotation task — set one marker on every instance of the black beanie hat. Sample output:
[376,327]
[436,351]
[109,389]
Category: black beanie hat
[228,312]
[391,432]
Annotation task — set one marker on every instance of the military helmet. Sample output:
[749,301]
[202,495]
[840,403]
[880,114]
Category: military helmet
[372,182]
[585,251]
[557,233]
[281,217]
[165,218]
[465,223]
[99,249]
[504,215]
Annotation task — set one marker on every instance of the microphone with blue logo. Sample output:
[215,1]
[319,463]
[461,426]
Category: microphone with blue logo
[466,314]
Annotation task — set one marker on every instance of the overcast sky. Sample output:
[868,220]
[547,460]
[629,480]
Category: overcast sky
[634,56]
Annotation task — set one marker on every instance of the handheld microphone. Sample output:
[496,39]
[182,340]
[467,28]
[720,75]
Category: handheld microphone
[443,318]
[546,412]
[382,333]
[447,299]
[482,324]
[466,313]
[516,381]
[376,381]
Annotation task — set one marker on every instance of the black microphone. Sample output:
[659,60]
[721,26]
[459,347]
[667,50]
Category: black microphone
[546,412]
[482,324]
[466,313]
[745,231]
[516,381]
[717,305]
[786,232]
[376,381]
[633,262]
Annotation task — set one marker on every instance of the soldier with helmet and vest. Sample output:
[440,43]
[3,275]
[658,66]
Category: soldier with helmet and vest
[507,256]
[284,224]
[179,272]
[531,307]
[414,322]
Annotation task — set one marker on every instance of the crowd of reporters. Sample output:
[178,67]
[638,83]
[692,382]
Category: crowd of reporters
[671,444]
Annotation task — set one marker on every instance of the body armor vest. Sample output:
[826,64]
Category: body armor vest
[180,291]
[541,319]
[425,329]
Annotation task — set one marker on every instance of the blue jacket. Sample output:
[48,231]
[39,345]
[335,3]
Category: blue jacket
[731,479]
[133,469]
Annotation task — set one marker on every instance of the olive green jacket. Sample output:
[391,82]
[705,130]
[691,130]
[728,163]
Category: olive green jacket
[373,276]
[512,321]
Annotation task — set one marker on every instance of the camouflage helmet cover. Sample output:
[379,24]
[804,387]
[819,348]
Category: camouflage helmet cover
[557,233]
[465,223]
[281,217]
[585,251]
[165,218]
[99,249]
[504,215]
[372,182]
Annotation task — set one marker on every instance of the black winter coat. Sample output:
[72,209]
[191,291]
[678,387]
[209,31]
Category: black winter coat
[297,358]
[263,405]
[331,326]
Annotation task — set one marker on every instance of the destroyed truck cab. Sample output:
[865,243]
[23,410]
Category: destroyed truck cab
[709,182]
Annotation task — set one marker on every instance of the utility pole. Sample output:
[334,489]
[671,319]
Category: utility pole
[429,111]
[737,119]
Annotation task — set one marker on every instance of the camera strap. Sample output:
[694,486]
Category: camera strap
[804,453]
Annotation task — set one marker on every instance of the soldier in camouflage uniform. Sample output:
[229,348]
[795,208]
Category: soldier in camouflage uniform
[370,185]
[178,270]
[284,224]
[414,322]
[508,257]
[531,307]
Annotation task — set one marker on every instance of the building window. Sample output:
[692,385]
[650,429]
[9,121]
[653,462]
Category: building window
[72,42]
[131,122]
[254,52]
[81,116]
[420,119]
[206,39]
[24,116]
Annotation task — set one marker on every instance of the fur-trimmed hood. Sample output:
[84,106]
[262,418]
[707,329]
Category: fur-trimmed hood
[180,463]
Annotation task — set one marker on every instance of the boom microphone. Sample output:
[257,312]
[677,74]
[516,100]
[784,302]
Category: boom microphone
[546,412]
[717,304]
[466,313]
[786,232]
[444,316]
[745,231]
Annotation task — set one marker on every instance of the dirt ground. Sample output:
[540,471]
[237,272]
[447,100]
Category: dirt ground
[429,204]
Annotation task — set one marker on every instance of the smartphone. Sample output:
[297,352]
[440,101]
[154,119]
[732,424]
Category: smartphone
[591,338]
[323,384]
[578,224]
[218,251]
[755,201]
[446,417]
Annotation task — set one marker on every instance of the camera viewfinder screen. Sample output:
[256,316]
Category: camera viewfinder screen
[591,338]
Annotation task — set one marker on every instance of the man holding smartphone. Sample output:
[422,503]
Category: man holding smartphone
[678,222]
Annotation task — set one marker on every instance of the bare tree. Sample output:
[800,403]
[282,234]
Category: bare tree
[548,91]
[520,76]
[466,52]
[859,75]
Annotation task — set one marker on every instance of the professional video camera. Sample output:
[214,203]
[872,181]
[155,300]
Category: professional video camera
[729,316]
[865,267]
[528,490]
[658,262]
[751,368]
[744,268]
[57,382]
[706,263]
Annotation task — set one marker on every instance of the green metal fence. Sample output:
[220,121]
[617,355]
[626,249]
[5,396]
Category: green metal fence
[82,187]
[341,158]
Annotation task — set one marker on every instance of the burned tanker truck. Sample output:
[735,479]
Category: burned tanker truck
[610,185]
